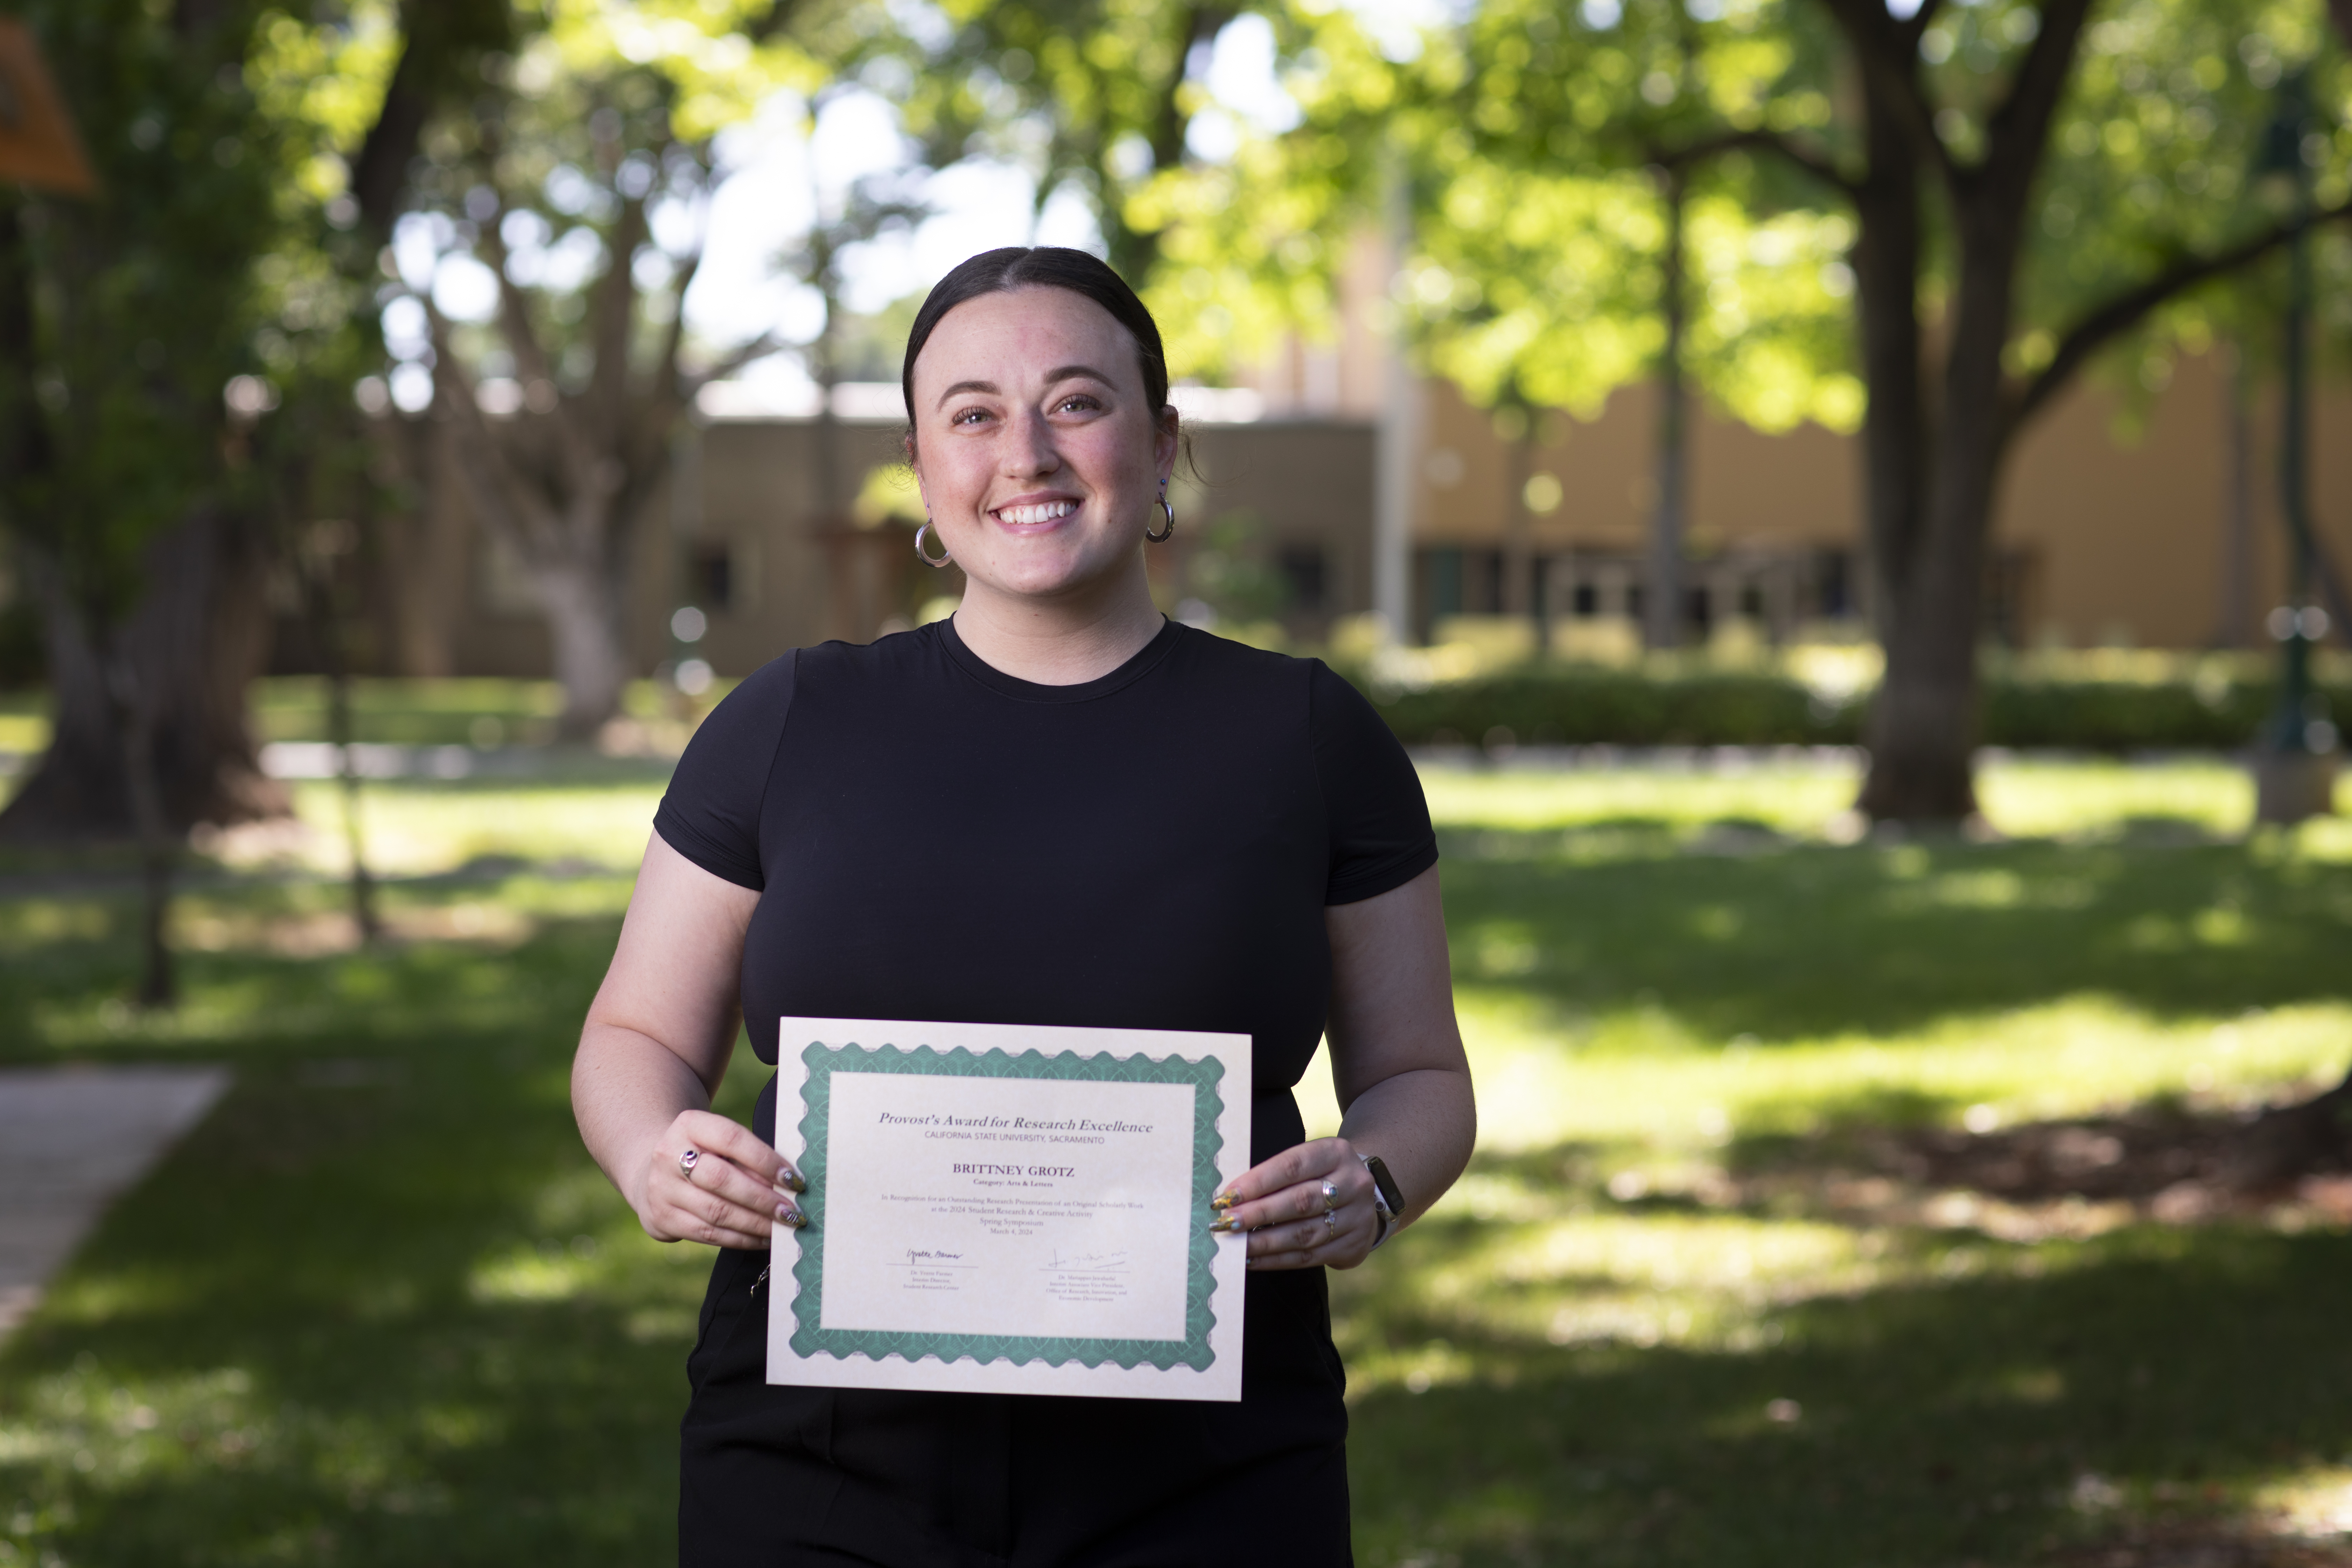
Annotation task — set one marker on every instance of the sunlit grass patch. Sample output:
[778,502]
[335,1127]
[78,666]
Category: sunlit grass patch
[418,829]
[2032,797]
[2021,797]
[413,713]
[1636,1076]
[1796,798]
[2314,1504]
[1641,1071]
[476,712]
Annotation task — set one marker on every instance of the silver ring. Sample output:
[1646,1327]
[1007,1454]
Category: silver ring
[686,1163]
[1331,1219]
[1330,1197]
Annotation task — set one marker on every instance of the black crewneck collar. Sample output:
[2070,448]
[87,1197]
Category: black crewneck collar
[1142,663]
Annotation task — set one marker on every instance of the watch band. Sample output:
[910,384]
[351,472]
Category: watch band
[1388,1202]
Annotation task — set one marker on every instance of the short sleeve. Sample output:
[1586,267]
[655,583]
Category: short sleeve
[1380,836]
[710,813]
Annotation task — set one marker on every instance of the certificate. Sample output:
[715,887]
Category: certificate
[1007,1209]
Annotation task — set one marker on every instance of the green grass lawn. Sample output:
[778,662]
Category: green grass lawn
[1688,1308]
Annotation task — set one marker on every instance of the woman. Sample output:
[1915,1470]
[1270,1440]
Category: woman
[1056,807]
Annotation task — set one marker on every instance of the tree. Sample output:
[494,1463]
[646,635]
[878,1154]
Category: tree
[1979,141]
[124,318]
[1096,96]
[871,207]
[148,324]
[1583,220]
[318,491]
[1695,69]
[576,192]
[2028,191]
[122,482]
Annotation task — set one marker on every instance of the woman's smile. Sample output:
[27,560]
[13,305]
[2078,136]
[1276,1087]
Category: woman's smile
[1032,511]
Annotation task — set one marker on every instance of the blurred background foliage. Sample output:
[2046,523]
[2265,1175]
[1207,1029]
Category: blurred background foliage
[1523,141]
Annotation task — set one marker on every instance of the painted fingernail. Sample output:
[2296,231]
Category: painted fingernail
[790,1180]
[1223,1201]
[791,1216]
[1225,1224]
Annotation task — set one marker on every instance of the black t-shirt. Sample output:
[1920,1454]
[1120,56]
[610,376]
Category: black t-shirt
[932,839]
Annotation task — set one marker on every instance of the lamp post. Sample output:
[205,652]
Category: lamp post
[2294,769]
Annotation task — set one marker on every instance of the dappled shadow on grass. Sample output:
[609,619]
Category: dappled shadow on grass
[1929,1425]
[119,883]
[2147,831]
[2204,1543]
[1802,942]
[378,1308]
[229,934]
[2161,1160]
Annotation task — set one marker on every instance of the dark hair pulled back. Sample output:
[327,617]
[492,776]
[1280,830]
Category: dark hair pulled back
[1043,266]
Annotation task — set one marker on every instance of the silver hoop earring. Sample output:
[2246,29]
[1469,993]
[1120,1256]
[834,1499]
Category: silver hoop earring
[1163,536]
[945,556]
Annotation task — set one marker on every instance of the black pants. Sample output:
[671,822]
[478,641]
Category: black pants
[778,1476]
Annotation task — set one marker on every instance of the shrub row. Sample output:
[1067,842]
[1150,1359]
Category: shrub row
[1585,705]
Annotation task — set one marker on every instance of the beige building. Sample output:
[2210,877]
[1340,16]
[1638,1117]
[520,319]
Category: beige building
[2104,537]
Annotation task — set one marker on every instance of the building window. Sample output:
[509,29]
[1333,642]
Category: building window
[2009,579]
[1304,578]
[1441,595]
[710,577]
[1833,584]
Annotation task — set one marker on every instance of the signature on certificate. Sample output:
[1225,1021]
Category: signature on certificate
[922,1258]
[1092,1262]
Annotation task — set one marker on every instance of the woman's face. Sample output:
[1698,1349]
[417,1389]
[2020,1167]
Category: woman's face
[1040,464]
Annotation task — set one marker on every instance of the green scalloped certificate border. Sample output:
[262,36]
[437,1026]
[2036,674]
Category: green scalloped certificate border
[811,1338]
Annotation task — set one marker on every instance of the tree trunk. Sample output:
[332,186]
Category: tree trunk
[584,619]
[1923,722]
[133,704]
[1922,729]
[327,628]
[1662,595]
[199,634]
[422,553]
[2291,1141]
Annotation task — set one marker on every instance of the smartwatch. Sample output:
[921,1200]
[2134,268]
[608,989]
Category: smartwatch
[1388,1203]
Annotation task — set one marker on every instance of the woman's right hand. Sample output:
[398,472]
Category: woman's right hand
[729,1194]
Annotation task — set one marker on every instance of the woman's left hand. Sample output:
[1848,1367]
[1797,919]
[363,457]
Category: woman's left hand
[1310,1206]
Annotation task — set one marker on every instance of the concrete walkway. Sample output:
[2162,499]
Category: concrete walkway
[72,1139]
